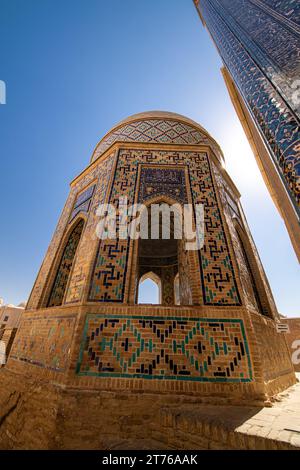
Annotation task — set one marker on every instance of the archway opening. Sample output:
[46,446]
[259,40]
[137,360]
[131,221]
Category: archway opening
[163,256]
[149,289]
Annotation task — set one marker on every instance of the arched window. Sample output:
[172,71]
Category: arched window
[149,289]
[65,265]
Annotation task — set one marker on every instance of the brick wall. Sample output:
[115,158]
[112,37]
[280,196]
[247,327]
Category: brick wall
[39,415]
[10,316]
[232,355]
[98,174]
[7,337]
[276,362]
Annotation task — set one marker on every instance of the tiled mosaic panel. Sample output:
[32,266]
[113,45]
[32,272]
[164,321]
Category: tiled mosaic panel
[89,241]
[216,270]
[279,125]
[197,349]
[288,8]
[84,196]
[272,40]
[83,202]
[100,172]
[45,342]
[163,131]
[260,302]
[231,210]
[156,181]
[63,272]
[251,286]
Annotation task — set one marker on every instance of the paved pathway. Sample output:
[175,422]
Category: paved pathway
[281,421]
[237,427]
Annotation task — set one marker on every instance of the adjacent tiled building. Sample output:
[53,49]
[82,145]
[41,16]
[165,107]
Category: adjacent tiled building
[259,43]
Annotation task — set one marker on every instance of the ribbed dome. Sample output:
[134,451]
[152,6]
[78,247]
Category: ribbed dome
[157,127]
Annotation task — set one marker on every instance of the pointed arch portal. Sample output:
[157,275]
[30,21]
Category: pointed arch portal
[149,289]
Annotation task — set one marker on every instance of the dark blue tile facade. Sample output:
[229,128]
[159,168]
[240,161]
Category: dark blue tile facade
[259,42]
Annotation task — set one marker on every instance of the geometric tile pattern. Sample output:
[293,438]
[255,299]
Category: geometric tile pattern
[65,265]
[168,348]
[84,258]
[155,181]
[215,265]
[164,131]
[260,45]
[251,277]
[82,203]
[268,35]
[45,342]
[288,8]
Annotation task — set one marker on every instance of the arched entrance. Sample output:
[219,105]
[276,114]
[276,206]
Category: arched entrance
[161,256]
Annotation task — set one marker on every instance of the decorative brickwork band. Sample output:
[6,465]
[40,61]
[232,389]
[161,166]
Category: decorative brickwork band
[162,131]
[169,348]
[45,342]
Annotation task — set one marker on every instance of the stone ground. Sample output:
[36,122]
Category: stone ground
[281,421]
[238,427]
[121,422]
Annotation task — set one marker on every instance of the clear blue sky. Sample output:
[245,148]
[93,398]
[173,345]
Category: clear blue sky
[73,68]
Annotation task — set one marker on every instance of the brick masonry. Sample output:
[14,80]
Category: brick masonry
[118,420]
[215,265]
[152,347]
[83,332]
